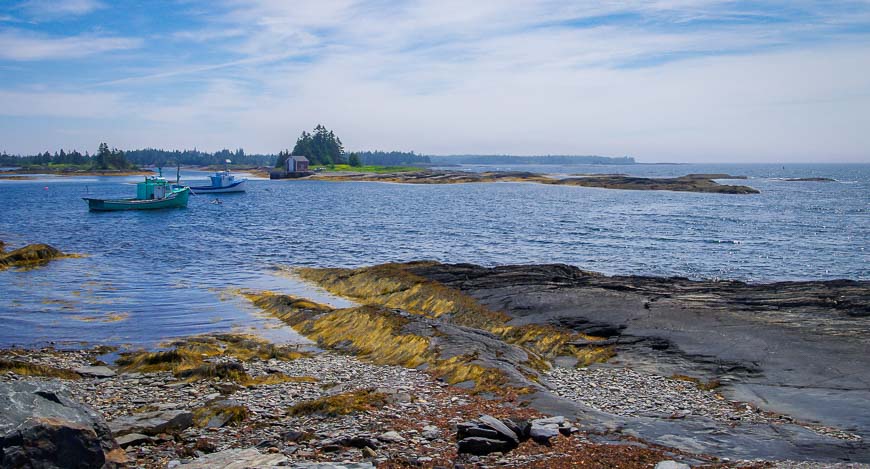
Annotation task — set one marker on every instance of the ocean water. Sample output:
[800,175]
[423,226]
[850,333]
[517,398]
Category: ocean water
[148,276]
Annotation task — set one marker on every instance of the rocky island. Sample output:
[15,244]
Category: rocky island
[688,183]
[444,364]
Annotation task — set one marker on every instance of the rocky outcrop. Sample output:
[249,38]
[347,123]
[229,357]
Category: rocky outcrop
[688,183]
[42,427]
[768,348]
[30,256]
[461,355]
[796,348]
[488,434]
[813,179]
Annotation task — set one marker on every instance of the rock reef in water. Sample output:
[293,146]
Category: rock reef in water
[688,183]
[30,256]
[812,179]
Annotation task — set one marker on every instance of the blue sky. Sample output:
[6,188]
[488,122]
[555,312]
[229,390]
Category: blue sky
[661,80]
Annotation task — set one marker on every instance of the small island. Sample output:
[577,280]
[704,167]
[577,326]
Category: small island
[812,179]
[689,183]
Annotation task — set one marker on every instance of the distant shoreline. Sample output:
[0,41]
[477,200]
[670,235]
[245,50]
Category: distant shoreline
[77,172]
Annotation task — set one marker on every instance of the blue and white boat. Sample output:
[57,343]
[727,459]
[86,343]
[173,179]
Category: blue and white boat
[221,182]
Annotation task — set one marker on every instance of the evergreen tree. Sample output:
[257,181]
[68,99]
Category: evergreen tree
[354,160]
[101,159]
[322,147]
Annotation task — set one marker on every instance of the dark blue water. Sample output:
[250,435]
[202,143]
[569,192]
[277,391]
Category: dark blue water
[152,275]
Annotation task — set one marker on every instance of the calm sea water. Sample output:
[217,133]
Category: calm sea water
[152,275]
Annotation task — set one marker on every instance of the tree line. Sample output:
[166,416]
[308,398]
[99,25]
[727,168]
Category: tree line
[321,147]
[104,158]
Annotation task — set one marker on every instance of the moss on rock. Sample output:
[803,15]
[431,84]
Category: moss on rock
[32,255]
[31,369]
[396,286]
[189,358]
[341,404]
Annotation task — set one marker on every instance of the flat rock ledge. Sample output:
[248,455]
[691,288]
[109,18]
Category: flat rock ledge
[688,183]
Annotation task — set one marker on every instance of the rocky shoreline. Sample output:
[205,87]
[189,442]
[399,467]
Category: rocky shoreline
[414,420]
[465,366]
[689,183]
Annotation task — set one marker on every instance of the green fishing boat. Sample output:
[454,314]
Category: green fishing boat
[154,193]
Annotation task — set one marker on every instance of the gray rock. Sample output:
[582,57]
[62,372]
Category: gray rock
[132,439]
[671,465]
[96,371]
[482,446]
[431,432]
[500,427]
[237,459]
[557,420]
[541,435]
[41,426]
[152,423]
[391,437]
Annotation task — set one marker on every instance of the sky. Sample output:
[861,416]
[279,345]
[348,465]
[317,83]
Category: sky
[659,80]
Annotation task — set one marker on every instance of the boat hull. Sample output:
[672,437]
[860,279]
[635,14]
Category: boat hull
[235,187]
[176,200]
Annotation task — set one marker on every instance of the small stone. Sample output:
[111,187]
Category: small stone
[391,437]
[669,464]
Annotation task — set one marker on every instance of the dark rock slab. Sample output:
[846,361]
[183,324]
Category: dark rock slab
[798,348]
[152,423]
[41,426]
[503,430]
[132,439]
[95,371]
[480,446]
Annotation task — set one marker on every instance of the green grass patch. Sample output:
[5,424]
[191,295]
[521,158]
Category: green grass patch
[366,169]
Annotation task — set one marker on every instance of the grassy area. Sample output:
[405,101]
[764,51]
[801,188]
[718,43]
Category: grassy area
[366,169]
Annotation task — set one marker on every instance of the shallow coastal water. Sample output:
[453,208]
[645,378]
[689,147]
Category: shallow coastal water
[152,275]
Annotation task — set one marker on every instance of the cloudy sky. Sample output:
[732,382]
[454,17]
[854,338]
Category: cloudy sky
[660,80]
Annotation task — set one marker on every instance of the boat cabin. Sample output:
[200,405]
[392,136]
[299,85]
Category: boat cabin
[154,188]
[222,179]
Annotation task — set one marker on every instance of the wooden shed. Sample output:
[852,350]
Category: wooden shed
[296,164]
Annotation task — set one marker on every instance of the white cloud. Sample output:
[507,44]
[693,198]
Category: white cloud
[498,77]
[20,45]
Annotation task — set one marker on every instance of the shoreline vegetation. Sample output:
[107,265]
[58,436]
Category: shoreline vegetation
[444,364]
